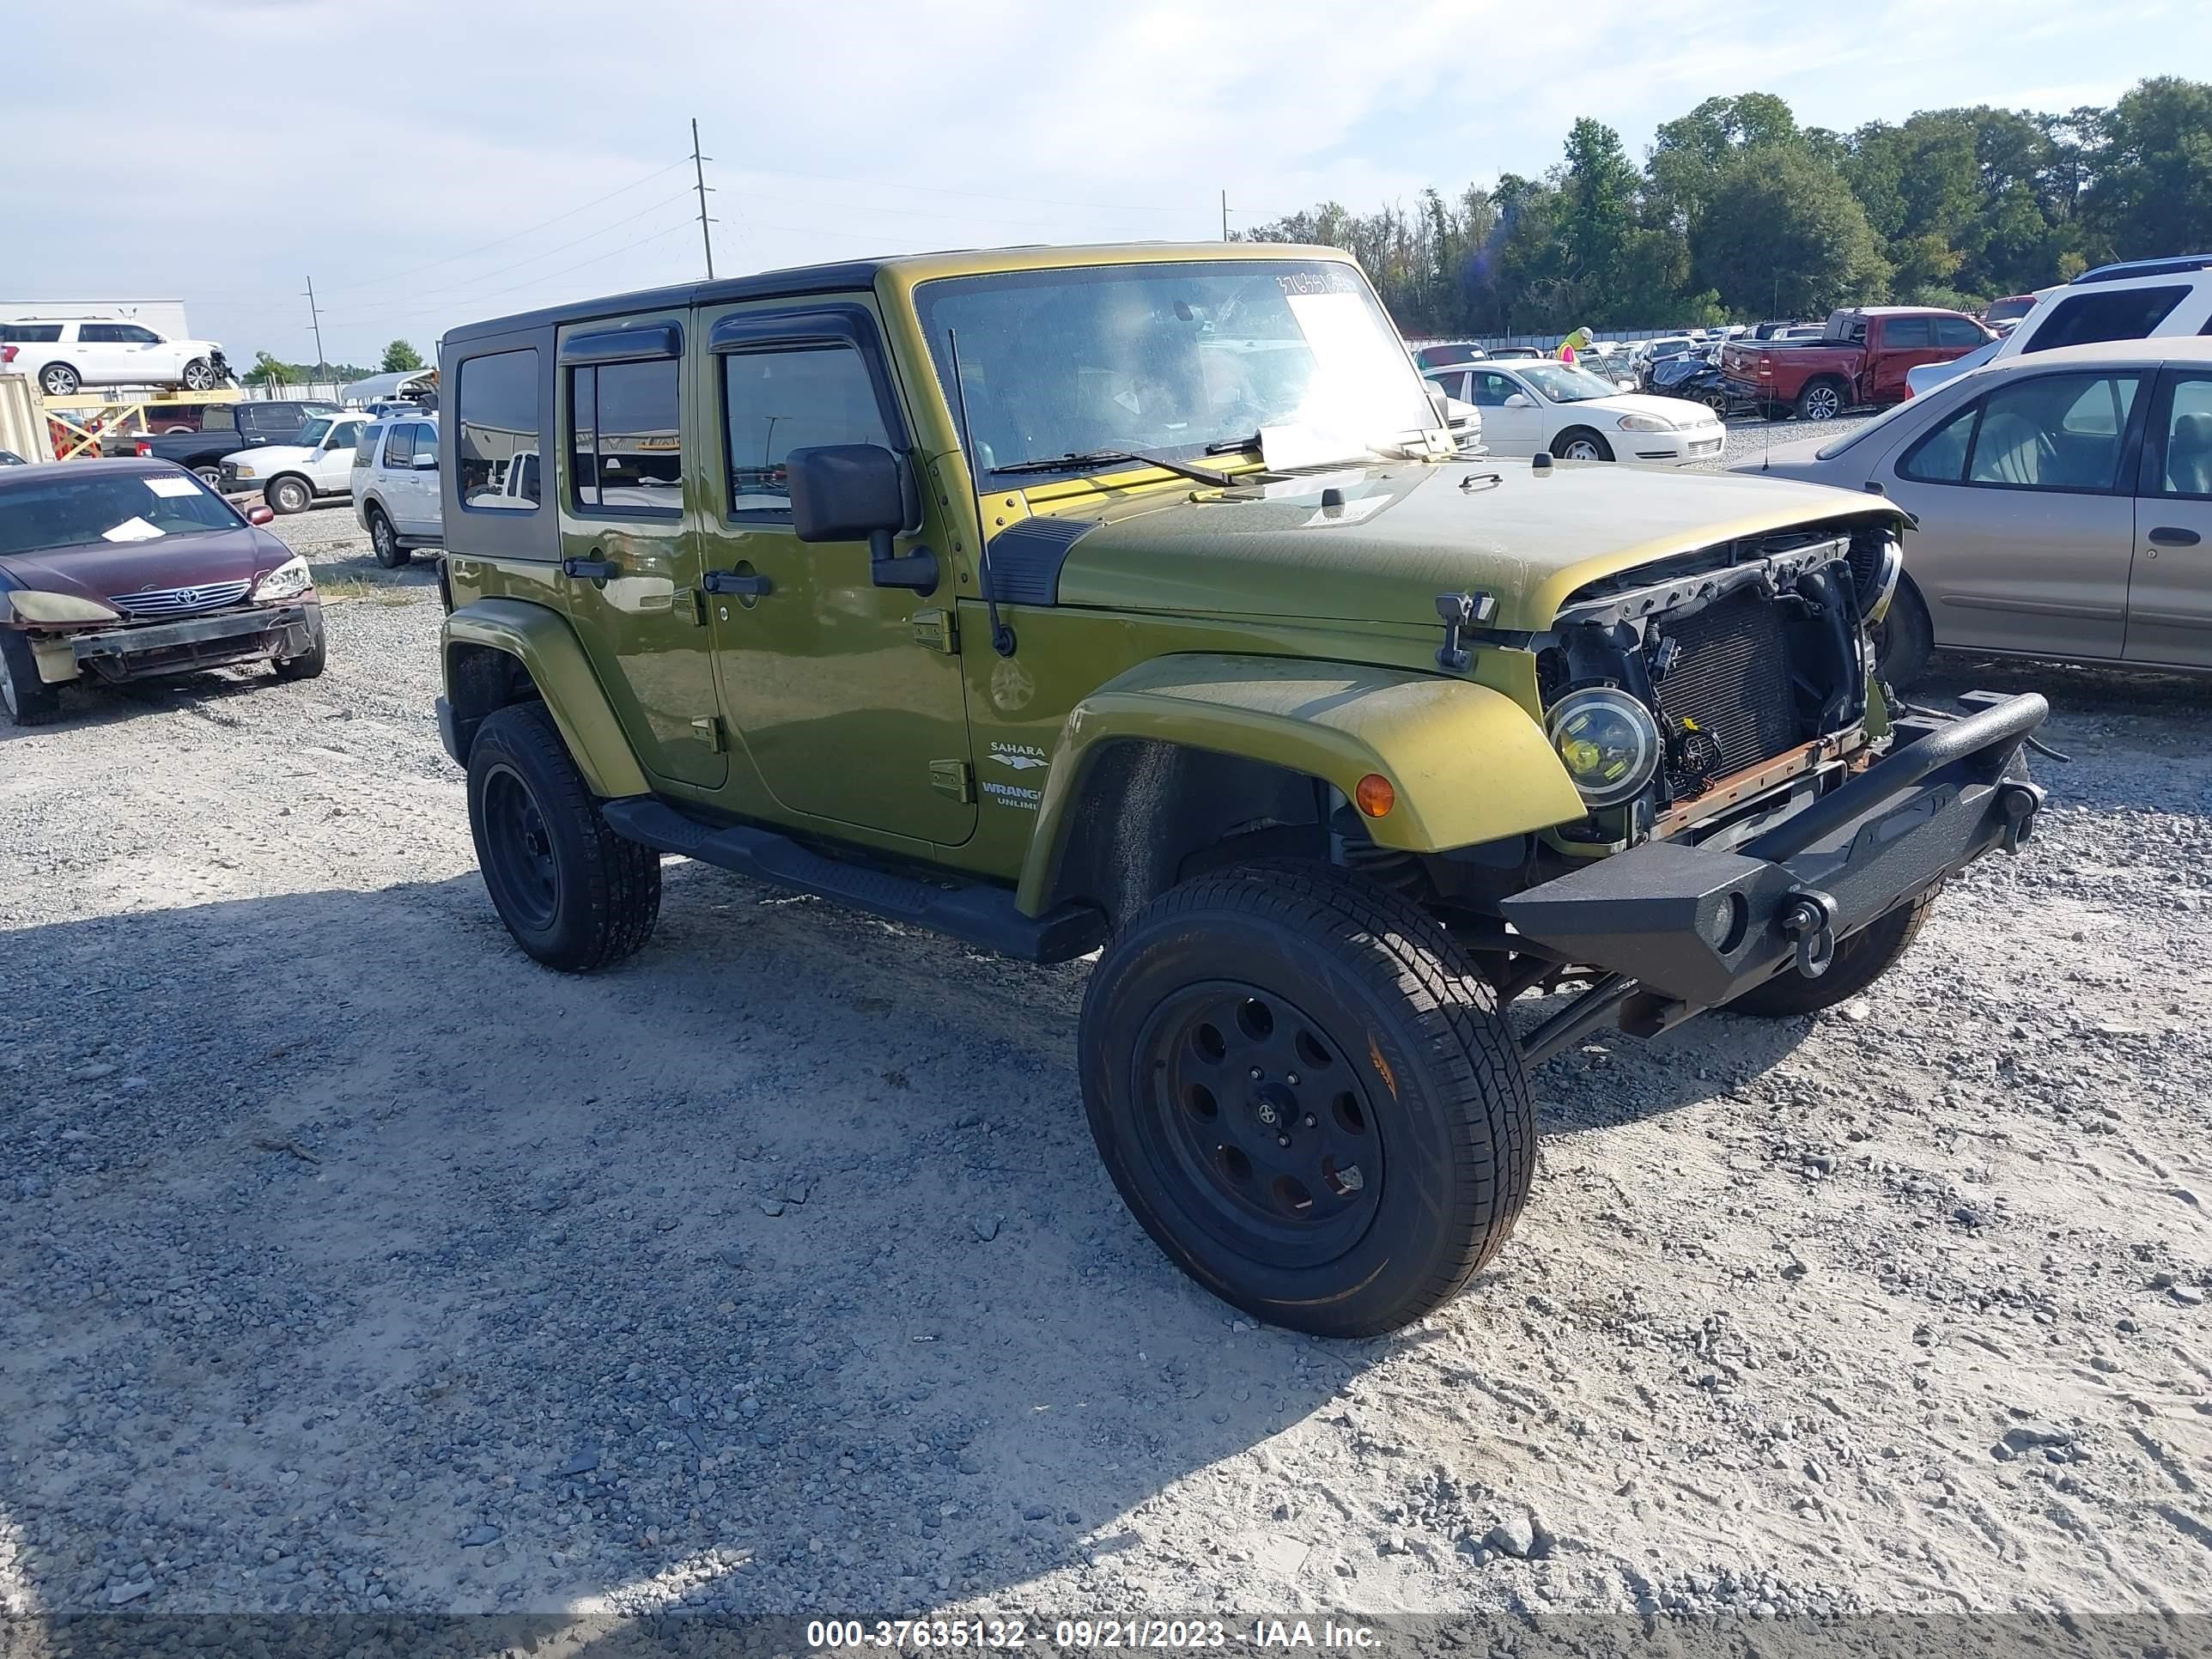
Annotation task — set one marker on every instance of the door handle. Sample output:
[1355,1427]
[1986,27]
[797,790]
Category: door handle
[729,581]
[593,569]
[2168,535]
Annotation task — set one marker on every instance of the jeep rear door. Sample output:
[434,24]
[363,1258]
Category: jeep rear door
[630,558]
[851,710]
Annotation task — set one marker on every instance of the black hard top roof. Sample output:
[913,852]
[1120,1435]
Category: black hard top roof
[763,285]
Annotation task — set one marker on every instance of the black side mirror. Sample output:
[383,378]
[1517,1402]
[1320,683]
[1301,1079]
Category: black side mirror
[854,492]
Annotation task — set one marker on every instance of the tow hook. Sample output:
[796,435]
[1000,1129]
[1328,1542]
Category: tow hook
[1808,919]
[2018,803]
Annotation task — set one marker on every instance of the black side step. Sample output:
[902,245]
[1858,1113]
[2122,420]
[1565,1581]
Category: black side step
[981,914]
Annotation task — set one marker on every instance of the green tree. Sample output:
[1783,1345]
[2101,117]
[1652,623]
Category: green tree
[1689,152]
[1782,235]
[267,371]
[2153,190]
[399,357]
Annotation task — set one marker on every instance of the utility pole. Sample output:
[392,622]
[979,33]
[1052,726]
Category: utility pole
[1224,215]
[699,172]
[315,317]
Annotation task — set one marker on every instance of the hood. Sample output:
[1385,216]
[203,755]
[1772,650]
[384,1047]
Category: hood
[1800,458]
[274,455]
[1406,533]
[1677,411]
[100,570]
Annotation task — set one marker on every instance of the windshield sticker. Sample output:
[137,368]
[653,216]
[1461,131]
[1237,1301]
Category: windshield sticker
[171,488]
[132,530]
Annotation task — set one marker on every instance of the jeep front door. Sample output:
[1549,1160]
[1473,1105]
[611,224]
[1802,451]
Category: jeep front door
[845,696]
[630,545]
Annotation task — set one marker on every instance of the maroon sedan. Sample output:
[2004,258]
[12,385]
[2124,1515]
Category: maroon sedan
[126,570]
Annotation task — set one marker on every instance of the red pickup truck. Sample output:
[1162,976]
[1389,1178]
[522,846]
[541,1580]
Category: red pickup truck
[1859,359]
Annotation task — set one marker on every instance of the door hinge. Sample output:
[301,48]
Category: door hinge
[694,606]
[709,730]
[937,631]
[955,778]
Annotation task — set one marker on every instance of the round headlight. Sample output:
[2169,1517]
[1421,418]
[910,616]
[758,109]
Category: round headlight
[1881,588]
[1607,741]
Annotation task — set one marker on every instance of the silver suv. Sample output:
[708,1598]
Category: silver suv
[395,485]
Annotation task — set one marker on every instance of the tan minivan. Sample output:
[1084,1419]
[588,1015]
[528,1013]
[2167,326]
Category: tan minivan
[2065,501]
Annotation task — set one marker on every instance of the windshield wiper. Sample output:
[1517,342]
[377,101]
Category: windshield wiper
[1090,458]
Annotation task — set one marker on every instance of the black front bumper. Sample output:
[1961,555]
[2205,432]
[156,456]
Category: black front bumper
[282,631]
[1700,926]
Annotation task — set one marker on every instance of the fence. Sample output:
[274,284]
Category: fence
[1547,342]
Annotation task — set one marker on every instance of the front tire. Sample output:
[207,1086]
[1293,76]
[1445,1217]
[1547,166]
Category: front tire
[200,375]
[25,698]
[574,894]
[307,665]
[1307,1097]
[1859,961]
[1579,443]
[289,495]
[1905,639]
[59,380]
[385,540]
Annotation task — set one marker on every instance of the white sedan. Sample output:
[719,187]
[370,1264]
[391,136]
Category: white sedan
[1565,411]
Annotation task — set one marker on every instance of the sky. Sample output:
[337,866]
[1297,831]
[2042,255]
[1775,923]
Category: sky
[432,164]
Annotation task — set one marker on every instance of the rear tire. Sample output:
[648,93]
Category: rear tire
[385,540]
[1859,961]
[1820,400]
[1579,443]
[24,697]
[1905,639]
[59,380]
[1383,1153]
[288,494]
[574,894]
[210,476]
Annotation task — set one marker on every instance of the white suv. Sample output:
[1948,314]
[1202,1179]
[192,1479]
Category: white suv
[395,485]
[63,354]
[2139,300]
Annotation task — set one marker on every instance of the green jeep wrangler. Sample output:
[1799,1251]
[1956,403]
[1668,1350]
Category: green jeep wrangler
[1139,598]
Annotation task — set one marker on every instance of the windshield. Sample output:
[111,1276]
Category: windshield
[1176,358]
[2004,310]
[112,508]
[1564,384]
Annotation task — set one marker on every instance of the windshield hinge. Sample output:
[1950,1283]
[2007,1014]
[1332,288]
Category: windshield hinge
[953,778]
[1458,611]
[937,631]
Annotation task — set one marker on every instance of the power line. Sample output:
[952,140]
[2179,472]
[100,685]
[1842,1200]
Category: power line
[356,319]
[374,282]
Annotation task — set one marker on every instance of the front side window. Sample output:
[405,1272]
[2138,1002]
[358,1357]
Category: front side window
[131,334]
[1958,331]
[2086,318]
[625,450]
[2060,432]
[1908,334]
[1179,358]
[2187,465]
[496,402]
[794,397]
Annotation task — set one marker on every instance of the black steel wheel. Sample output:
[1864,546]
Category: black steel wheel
[1307,1097]
[574,894]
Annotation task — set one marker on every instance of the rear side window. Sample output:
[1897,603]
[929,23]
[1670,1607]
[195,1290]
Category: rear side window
[102,334]
[2086,318]
[626,454]
[30,333]
[2060,432]
[496,405]
[1908,334]
[399,445]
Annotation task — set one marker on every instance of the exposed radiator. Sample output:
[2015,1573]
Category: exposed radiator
[1731,676]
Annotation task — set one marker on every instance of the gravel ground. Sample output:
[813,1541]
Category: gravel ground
[357,1263]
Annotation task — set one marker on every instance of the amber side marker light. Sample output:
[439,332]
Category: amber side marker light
[1375,795]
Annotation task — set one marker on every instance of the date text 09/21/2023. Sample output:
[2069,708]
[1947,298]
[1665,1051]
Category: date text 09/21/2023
[1085,1634]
